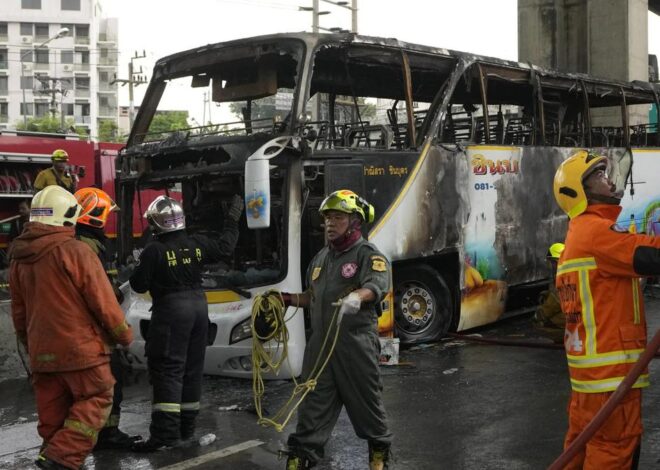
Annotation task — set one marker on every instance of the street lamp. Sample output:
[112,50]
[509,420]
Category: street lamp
[60,34]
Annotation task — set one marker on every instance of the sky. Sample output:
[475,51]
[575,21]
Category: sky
[163,27]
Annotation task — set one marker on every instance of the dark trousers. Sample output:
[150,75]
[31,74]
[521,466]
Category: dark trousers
[175,349]
[118,373]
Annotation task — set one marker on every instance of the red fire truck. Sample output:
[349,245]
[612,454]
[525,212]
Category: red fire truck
[24,154]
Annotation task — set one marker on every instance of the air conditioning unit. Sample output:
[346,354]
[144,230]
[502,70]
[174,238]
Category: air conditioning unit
[26,39]
[67,67]
[27,66]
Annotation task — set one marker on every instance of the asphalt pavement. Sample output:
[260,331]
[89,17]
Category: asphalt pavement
[451,405]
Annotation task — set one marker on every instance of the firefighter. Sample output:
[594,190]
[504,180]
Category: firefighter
[170,268]
[350,270]
[67,328]
[598,284]
[549,318]
[58,174]
[23,217]
[97,206]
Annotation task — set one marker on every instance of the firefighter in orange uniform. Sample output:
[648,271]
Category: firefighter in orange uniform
[598,284]
[66,315]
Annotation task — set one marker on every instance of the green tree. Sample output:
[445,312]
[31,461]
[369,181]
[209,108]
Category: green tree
[168,121]
[109,131]
[51,124]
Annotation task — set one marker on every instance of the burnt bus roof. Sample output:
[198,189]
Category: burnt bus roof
[169,64]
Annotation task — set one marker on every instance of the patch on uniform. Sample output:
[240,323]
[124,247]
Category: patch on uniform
[42,211]
[316,273]
[348,270]
[378,263]
[618,228]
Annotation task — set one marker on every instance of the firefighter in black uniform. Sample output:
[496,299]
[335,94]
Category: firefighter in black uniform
[170,268]
[97,206]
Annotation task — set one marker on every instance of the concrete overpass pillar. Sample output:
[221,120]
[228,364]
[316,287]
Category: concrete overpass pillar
[604,38]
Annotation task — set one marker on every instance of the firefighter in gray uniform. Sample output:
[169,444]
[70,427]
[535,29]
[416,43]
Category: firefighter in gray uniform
[351,271]
[170,268]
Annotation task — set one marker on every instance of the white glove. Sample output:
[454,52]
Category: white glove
[350,305]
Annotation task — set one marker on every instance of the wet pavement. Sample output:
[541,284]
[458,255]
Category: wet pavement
[451,405]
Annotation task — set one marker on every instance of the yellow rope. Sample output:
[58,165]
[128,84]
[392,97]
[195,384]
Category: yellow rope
[264,360]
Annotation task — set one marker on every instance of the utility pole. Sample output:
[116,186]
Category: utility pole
[134,79]
[50,88]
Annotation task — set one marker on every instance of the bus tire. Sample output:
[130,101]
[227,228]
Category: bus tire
[422,304]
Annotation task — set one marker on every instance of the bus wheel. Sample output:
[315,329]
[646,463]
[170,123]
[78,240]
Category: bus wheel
[422,304]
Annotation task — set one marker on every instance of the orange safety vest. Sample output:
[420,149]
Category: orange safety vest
[601,297]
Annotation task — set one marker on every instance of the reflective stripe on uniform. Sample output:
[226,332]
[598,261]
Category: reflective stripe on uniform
[635,296]
[81,428]
[605,385]
[46,357]
[582,266]
[167,407]
[193,405]
[119,329]
[604,359]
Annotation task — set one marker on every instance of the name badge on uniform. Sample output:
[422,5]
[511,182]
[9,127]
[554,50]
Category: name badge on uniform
[348,270]
[316,273]
[378,263]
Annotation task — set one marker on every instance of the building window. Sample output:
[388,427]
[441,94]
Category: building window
[4,62]
[26,55]
[82,57]
[31,4]
[27,83]
[3,29]
[66,57]
[82,31]
[41,56]
[67,109]
[82,109]
[27,107]
[41,30]
[81,83]
[27,29]
[4,111]
[40,109]
[71,5]
[4,82]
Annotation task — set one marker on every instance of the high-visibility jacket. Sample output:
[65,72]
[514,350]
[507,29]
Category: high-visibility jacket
[598,284]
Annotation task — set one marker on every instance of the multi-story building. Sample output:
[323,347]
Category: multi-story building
[69,75]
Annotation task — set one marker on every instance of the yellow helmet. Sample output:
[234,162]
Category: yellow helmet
[568,187]
[555,250]
[60,155]
[54,205]
[347,201]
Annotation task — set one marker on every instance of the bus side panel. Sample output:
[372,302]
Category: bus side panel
[513,219]
[643,209]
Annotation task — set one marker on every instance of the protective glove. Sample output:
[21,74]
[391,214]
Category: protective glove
[235,208]
[350,305]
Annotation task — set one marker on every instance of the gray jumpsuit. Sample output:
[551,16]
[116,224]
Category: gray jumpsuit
[352,377]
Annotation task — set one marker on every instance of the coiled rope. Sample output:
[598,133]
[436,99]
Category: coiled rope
[269,353]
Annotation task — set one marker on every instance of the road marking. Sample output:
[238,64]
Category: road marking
[218,454]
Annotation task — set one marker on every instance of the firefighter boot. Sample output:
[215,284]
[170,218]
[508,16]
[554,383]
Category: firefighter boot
[379,456]
[152,444]
[113,438]
[296,462]
[44,462]
[188,424]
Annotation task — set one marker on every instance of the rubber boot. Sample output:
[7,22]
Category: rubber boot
[113,438]
[151,445]
[379,457]
[188,424]
[296,462]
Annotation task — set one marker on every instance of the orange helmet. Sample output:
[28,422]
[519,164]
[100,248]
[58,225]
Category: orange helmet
[96,206]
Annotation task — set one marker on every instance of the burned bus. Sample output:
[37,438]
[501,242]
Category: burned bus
[456,152]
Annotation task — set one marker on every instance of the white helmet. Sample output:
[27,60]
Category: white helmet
[165,215]
[54,205]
